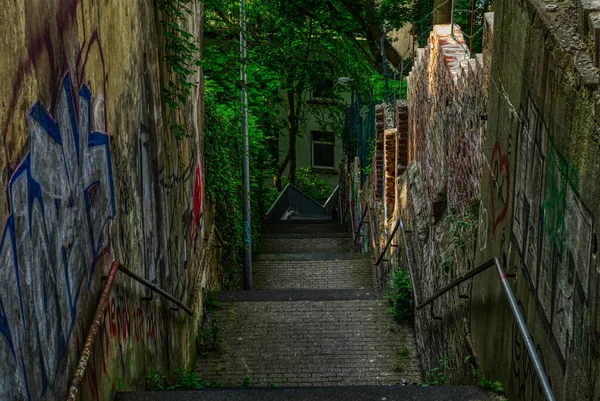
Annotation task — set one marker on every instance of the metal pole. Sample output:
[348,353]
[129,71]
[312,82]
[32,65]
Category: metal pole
[246,155]
[472,22]
[452,20]
[395,107]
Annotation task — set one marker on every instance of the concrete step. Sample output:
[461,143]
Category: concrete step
[300,295]
[310,343]
[305,226]
[303,245]
[340,393]
[293,236]
[314,273]
[314,256]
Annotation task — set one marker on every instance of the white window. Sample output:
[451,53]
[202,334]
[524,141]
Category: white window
[323,149]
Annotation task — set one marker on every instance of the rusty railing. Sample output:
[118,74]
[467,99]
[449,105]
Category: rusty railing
[99,315]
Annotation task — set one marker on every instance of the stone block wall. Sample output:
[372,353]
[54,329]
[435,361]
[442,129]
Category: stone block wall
[91,173]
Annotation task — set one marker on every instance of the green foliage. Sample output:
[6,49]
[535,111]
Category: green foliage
[185,378]
[379,92]
[156,380]
[400,295]
[207,337]
[437,376]
[182,58]
[294,47]
[422,20]
[491,385]
[180,379]
[404,353]
[465,15]
[223,154]
[210,301]
[121,383]
[272,384]
[247,382]
[461,229]
[312,184]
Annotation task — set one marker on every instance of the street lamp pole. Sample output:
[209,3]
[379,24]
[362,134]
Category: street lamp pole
[246,154]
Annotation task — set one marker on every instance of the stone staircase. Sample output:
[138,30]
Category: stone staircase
[316,328]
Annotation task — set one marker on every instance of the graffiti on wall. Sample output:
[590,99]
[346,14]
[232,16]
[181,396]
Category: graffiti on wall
[197,206]
[499,186]
[61,199]
[149,205]
[528,385]
[553,233]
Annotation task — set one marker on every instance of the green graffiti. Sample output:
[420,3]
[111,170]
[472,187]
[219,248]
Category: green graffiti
[560,172]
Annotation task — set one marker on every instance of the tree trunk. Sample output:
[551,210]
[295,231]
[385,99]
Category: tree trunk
[443,14]
[280,169]
[293,131]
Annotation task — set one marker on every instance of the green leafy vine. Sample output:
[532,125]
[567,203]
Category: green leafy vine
[182,58]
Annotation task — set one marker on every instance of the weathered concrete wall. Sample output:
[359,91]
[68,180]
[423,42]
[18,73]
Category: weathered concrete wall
[91,175]
[446,99]
[540,196]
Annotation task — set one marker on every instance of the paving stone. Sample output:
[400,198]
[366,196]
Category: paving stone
[309,343]
[312,244]
[316,274]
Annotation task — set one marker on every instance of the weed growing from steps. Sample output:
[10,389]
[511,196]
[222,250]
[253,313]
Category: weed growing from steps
[404,353]
[207,341]
[491,385]
[180,379]
[247,382]
[400,295]
[437,376]
[210,301]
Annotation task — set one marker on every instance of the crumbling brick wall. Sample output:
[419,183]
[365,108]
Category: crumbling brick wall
[446,102]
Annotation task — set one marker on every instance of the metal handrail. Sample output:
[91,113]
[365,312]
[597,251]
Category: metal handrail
[387,243]
[512,300]
[362,219]
[100,310]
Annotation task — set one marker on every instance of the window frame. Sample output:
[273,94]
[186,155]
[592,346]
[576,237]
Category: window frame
[312,148]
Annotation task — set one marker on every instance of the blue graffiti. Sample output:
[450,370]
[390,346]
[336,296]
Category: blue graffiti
[61,198]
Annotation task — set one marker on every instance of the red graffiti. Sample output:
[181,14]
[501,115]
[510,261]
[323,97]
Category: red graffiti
[197,202]
[499,185]
[112,315]
[123,319]
[104,344]
[151,330]
[143,326]
[138,325]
